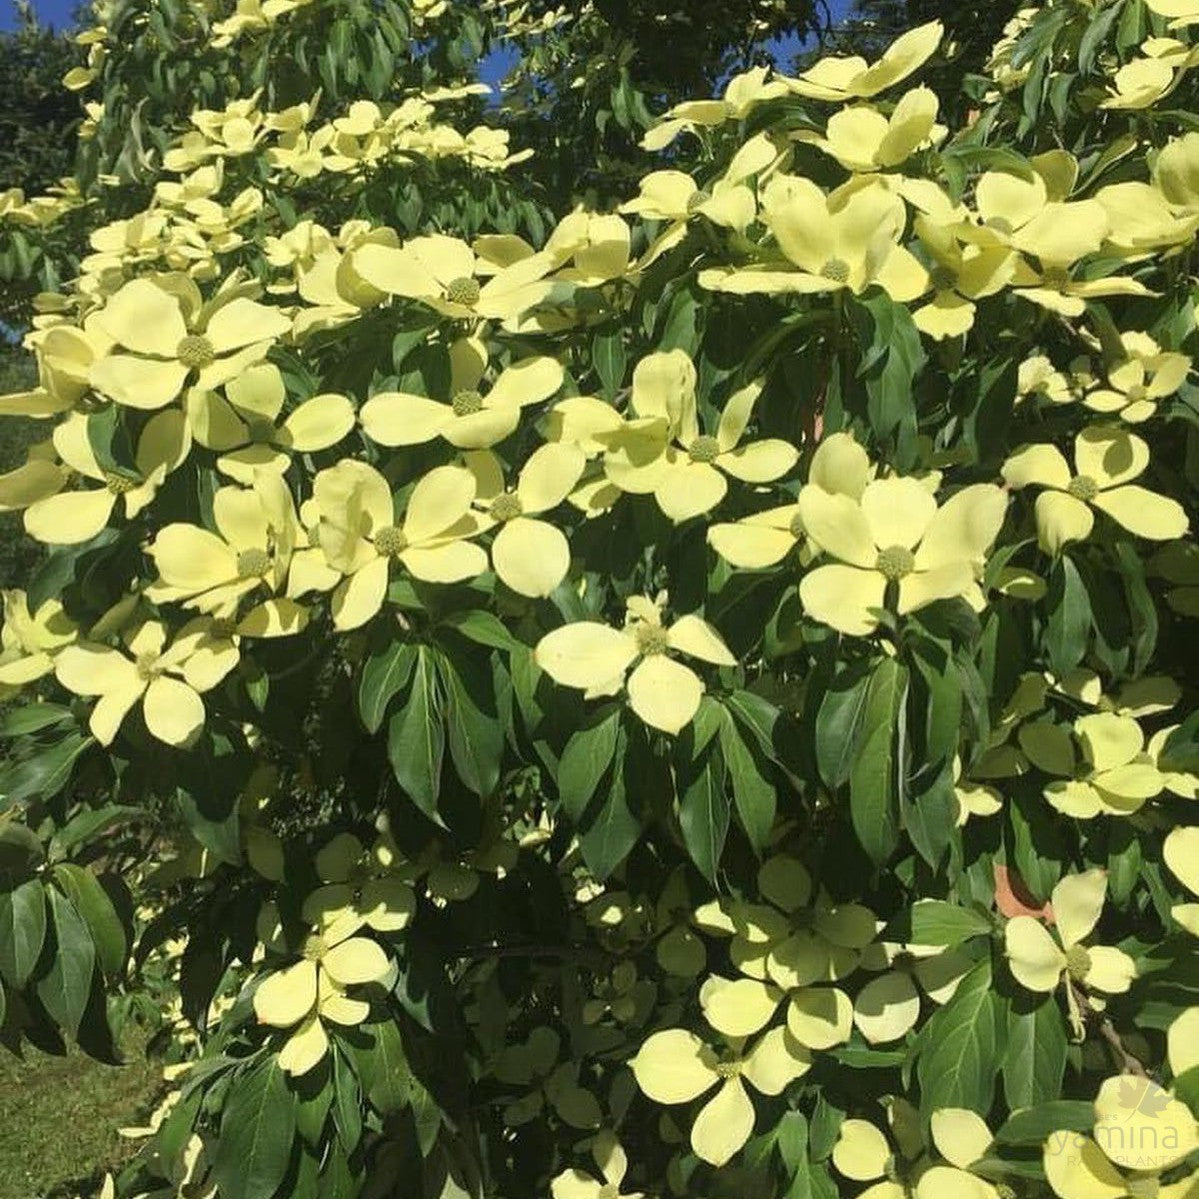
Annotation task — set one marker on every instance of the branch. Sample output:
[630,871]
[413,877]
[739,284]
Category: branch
[1129,1063]
[578,953]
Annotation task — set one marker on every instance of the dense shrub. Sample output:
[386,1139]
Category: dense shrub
[690,699]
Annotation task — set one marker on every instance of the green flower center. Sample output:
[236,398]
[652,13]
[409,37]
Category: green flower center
[836,270]
[1078,963]
[390,541]
[1055,277]
[1136,393]
[1144,1188]
[195,352]
[727,1069]
[652,639]
[904,962]
[251,563]
[1004,1191]
[261,432]
[463,291]
[943,277]
[1083,487]
[506,507]
[314,948]
[119,484]
[467,402]
[698,198]
[895,562]
[704,449]
[148,666]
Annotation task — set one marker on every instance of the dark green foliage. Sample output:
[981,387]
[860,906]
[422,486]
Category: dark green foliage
[38,117]
[641,56]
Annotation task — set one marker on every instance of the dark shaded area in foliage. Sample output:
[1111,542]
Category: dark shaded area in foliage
[39,118]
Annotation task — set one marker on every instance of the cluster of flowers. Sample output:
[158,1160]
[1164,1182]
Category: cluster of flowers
[321,505]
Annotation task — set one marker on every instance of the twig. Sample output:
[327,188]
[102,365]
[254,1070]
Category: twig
[579,953]
[1130,1064]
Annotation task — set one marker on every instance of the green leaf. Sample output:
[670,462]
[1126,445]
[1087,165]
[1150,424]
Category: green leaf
[824,1128]
[22,930]
[609,360]
[936,922]
[1095,35]
[218,769]
[20,850]
[1032,1126]
[421,984]
[64,988]
[175,1130]
[89,823]
[893,358]
[757,716]
[704,815]
[791,1137]
[91,901]
[823,1186]
[1142,611]
[1069,624]
[391,1076]
[938,697]
[33,718]
[862,1057]
[405,342]
[753,793]
[475,737]
[46,771]
[986,428]
[610,827]
[839,722]
[384,674]
[1036,844]
[988,158]
[483,628]
[1035,1061]
[930,816]
[258,1125]
[347,1102]
[109,440]
[416,738]
[679,329]
[312,1108]
[962,1046]
[702,730]
[585,761]
[1185,1086]
[66,565]
[874,772]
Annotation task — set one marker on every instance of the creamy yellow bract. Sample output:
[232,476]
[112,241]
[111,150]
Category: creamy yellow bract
[663,692]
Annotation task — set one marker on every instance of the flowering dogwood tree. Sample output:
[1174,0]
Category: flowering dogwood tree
[688,699]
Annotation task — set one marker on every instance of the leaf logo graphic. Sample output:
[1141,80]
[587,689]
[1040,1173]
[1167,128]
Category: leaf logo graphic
[1142,1095]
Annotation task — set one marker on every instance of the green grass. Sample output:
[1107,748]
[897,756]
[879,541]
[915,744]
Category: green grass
[59,1118]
